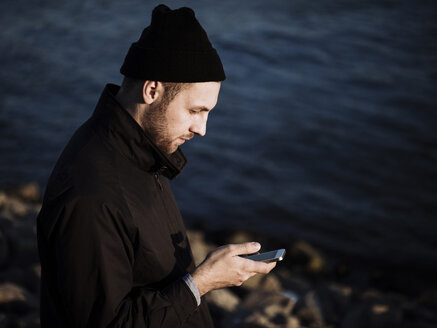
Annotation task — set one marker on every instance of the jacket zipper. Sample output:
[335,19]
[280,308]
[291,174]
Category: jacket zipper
[171,224]
[156,175]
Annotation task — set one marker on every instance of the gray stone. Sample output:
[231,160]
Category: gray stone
[4,320]
[293,322]
[223,299]
[3,199]
[334,301]
[309,311]
[303,254]
[294,283]
[239,237]
[29,192]
[37,270]
[199,246]
[262,301]
[4,249]
[23,243]
[255,319]
[373,315]
[429,300]
[416,313]
[263,309]
[5,222]
[221,302]
[253,282]
[13,208]
[24,276]
[16,299]
[267,282]
[31,320]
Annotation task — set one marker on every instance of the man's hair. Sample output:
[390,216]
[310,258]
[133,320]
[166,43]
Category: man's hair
[135,87]
[171,89]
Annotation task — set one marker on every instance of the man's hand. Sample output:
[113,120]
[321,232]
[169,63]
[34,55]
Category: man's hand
[223,267]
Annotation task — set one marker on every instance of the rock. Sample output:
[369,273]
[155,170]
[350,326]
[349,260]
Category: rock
[270,283]
[326,305]
[5,222]
[4,249]
[262,309]
[3,199]
[199,246]
[31,320]
[221,303]
[414,313]
[5,320]
[223,299]
[252,320]
[16,299]
[13,208]
[385,315]
[260,300]
[295,284]
[267,282]
[252,282]
[231,236]
[37,270]
[334,301]
[302,253]
[429,300]
[35,273]
[274,310]
[309,311]
[373,315]
[418,325]
[24,276]
[23,243]
[29,192]
[259,320]
[293,322]
[239,237]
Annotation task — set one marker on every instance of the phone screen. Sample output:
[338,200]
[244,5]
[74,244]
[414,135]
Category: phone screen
[271,256]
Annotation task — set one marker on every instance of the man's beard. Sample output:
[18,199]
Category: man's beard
[155,124]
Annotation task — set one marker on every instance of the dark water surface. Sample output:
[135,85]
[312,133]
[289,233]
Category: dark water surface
[325,128]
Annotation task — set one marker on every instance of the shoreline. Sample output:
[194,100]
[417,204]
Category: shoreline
[310,288]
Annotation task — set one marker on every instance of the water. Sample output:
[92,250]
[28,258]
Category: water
[324,130]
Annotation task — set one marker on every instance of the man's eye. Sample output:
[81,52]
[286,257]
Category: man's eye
[194,111]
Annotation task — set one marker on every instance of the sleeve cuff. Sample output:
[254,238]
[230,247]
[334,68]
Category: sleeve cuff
[193,287]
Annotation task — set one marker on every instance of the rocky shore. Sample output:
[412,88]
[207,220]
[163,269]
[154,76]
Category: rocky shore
[308,289]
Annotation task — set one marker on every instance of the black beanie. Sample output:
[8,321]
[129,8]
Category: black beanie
[173,48]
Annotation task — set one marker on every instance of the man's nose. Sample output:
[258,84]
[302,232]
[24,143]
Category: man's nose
[199,126]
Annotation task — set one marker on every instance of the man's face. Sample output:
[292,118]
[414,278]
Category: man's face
[185,116]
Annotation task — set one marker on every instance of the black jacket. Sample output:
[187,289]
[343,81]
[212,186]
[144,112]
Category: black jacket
[111,240]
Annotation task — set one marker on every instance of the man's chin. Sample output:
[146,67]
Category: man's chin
[170,150]
[174,150]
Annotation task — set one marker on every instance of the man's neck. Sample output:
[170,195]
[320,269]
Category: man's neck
[133,108]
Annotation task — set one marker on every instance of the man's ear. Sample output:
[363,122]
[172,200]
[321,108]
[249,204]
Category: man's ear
[152,90]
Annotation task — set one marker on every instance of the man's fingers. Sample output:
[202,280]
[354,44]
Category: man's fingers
[271,266]
[260,267]
[244,248]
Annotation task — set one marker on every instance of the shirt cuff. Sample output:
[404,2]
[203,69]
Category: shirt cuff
[193,287]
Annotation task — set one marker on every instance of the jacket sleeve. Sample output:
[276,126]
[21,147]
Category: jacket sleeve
[94,259]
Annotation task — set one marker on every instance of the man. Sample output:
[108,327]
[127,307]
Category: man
[112,244]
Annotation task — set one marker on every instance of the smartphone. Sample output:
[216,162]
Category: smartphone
[272,256]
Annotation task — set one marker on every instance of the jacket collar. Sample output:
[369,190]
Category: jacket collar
[124,133]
